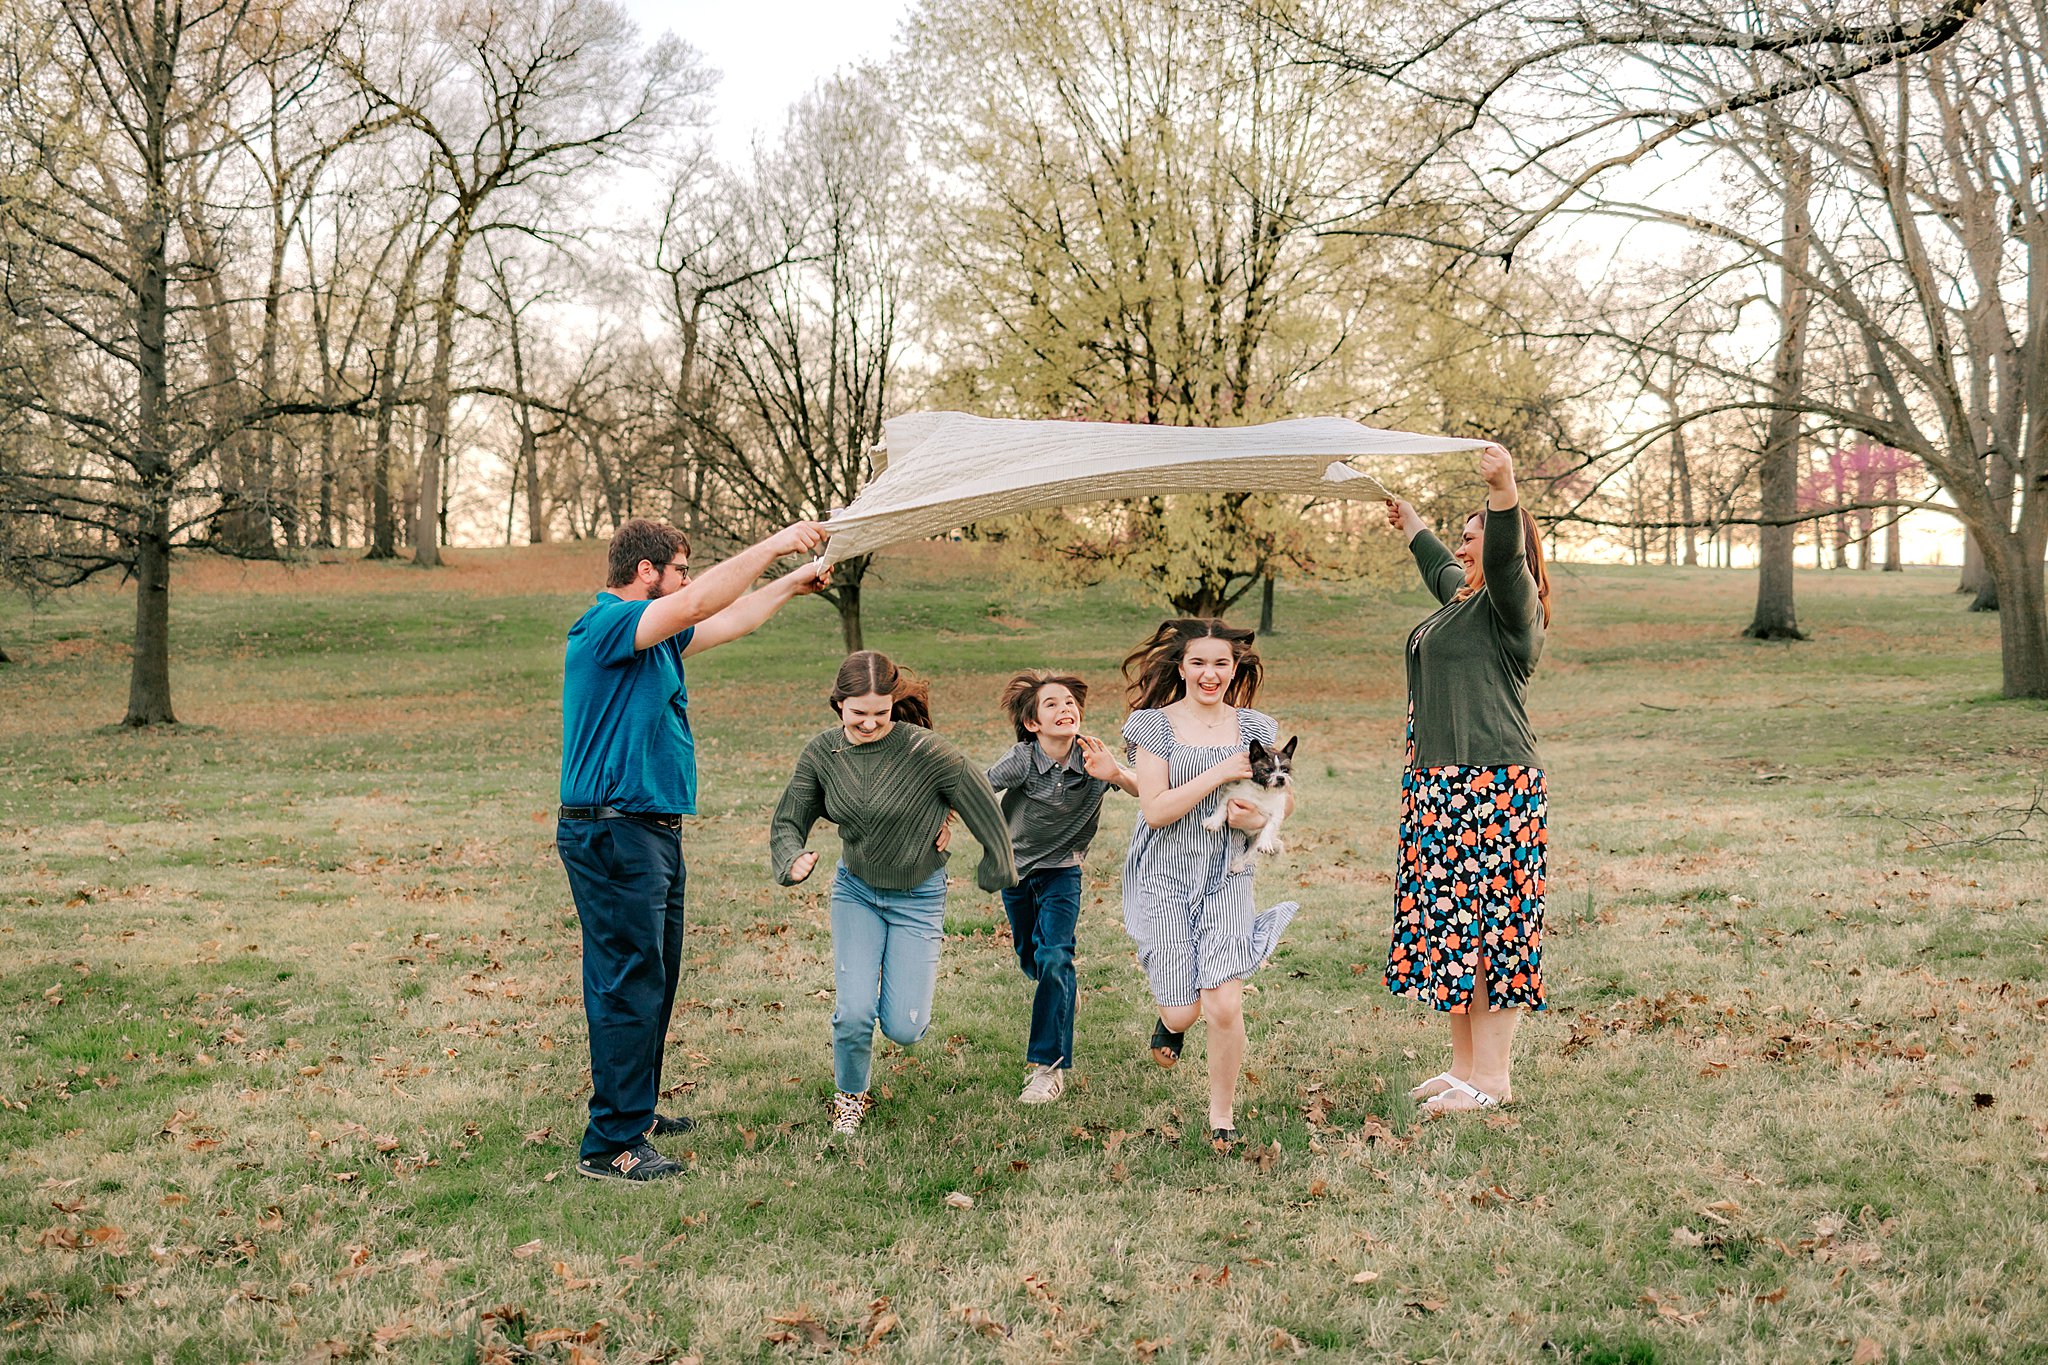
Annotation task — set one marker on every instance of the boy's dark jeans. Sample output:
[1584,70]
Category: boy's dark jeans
[1044,908]
[627,877]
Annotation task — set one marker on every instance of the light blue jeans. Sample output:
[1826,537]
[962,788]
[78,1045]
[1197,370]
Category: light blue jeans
[885,966]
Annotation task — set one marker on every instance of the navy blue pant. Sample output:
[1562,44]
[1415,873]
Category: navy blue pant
[627,877]
[1044,909]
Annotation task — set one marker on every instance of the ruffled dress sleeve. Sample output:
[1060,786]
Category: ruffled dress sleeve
[1150,731]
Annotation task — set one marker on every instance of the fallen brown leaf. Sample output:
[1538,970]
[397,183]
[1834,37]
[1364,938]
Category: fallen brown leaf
[881,1321]
[801,1321]
[1867,1352]
[1039,1288]
[982,1321]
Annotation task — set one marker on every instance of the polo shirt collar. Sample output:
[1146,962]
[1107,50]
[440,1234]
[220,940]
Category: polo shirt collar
[1042,761]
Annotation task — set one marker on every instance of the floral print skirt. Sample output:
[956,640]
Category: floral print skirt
[1470,887]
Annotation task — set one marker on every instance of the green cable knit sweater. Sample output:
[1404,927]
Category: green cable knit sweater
[889,798]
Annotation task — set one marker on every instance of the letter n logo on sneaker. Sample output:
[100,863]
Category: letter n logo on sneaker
[625,1163]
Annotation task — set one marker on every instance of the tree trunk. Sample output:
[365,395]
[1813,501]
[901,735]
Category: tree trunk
[324,538]
[1988,585]
[383,517]
[428,511]
[614,494]
[444,481]
[1866,523]
[536,512]
[1266,606]
[1894,561]
[149,677]
[844,595]
[149,680]
[1683,468]
[2022,616]
[1975,578]
[847,599]
[1778,473]
[682,489]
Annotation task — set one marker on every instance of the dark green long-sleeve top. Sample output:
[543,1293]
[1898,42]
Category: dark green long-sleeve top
[1469,664]
[889,798]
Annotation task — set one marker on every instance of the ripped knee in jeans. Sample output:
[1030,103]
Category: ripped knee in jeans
[905,1030]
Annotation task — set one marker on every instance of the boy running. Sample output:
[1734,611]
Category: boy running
[1052,784]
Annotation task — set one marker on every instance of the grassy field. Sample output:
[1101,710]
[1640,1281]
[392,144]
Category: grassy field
[293,1068]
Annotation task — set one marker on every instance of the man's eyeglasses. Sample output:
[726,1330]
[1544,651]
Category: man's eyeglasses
[682,568]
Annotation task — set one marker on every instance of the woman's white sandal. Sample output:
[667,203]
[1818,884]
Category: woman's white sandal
[1444,1078]
[1480,1100]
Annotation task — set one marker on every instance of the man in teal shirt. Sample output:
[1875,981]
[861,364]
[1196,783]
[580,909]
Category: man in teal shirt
[629,776]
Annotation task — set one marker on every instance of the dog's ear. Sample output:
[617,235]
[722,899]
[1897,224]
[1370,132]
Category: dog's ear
[1256,750]
[1287,749]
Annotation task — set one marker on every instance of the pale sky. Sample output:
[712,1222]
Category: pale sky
[771,51]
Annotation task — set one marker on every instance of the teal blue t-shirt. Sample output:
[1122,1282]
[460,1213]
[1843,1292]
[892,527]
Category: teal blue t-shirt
[626,737]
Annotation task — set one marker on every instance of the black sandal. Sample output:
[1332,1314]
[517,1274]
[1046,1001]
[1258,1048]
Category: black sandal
[1166,1044]
[1223,1137]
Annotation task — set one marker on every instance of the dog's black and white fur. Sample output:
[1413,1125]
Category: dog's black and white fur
[1271,780]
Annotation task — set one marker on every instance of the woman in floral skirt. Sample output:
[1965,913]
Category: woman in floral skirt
[1468,920]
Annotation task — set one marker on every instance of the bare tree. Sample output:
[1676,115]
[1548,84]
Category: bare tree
[520,98]
[806,353]
[1925,133]
[706,245]
[115,115]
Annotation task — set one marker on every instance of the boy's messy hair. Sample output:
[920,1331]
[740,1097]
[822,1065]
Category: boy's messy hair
[1020,695]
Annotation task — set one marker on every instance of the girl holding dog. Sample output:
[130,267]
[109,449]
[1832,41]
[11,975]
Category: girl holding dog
[1468,922]
[1192,730]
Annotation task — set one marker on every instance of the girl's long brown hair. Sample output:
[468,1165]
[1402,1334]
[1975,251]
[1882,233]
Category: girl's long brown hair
[1152,672]
[1532,551]
[870,671]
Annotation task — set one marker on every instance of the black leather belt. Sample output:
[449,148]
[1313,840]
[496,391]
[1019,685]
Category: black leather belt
[614,813]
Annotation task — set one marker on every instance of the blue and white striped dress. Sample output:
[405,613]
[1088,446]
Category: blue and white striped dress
[1193,922]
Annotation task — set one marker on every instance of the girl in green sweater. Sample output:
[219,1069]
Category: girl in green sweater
[888,782]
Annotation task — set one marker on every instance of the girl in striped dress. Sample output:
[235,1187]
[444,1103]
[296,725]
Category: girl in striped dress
[1193,920]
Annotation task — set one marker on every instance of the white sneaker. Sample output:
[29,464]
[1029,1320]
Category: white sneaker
[1047,1084]
[847,1112]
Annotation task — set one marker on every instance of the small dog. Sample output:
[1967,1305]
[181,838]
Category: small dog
[1272,778]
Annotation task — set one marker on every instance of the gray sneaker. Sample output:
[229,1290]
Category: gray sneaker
[637,1164]
[1047,1084]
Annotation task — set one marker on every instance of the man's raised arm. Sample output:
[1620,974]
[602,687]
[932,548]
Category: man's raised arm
[751,611]
[721,586]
